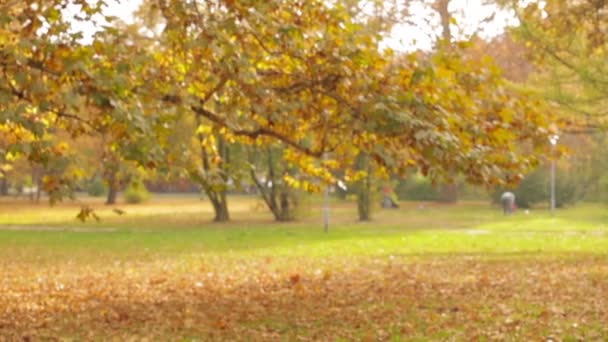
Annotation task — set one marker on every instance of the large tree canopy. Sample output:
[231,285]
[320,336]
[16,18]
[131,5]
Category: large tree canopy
[308,74]
[313,76]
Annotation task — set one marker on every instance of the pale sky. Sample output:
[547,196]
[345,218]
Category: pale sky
[469,15]
[420,34]
[122,9]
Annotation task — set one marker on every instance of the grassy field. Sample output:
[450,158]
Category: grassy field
[438,272]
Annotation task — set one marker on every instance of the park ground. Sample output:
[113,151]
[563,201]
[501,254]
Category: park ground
[162,271]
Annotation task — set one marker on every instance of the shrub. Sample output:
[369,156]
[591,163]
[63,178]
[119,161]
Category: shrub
[136,192]
[566,190]
[535,189]
[96,187]
[416,188]
[600,192]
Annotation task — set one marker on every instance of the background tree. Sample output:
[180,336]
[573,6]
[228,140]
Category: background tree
[51,81]
[570,48]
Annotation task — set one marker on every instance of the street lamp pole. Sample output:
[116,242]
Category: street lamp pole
[326,209]
[553,183]
[553,140]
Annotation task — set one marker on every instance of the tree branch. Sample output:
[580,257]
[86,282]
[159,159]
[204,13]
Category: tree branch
[256,133]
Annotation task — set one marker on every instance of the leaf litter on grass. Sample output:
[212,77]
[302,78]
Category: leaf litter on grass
[358,298]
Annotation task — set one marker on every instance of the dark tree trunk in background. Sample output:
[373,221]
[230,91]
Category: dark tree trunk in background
[442,8]
[286,210]
[111,173]
[112,194]
[220,207]
[221,199]
[4,185]
[113,183]
[38,187]
[364,189]
[448,192]
[34,196]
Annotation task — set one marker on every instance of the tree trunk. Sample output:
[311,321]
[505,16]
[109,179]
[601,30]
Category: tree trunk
[284,211]
[276,196]
[220,207]
[34,182]
[112,194]
[111,169]
[364,205]
[364,191]
[442,7]
[276,199]
[38,187]
[221,212]
[217,194]
[285,207]
[4,185]
[112,188]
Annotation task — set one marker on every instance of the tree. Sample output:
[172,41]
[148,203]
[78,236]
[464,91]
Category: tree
[509,53]
[570,48]
[52,82]
[307,74]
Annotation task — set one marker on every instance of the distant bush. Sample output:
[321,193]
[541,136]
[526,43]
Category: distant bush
[416,188]
[535,189]
[96,187]
[420,188]
[136,192]
[566,189]
[599,191]
[472,192]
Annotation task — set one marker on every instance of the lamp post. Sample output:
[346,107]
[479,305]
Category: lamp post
[553,140]
[326,209]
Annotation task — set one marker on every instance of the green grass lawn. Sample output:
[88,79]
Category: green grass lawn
[182,226]
[440,272]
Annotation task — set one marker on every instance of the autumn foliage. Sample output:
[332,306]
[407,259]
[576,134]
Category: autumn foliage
[308,74]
